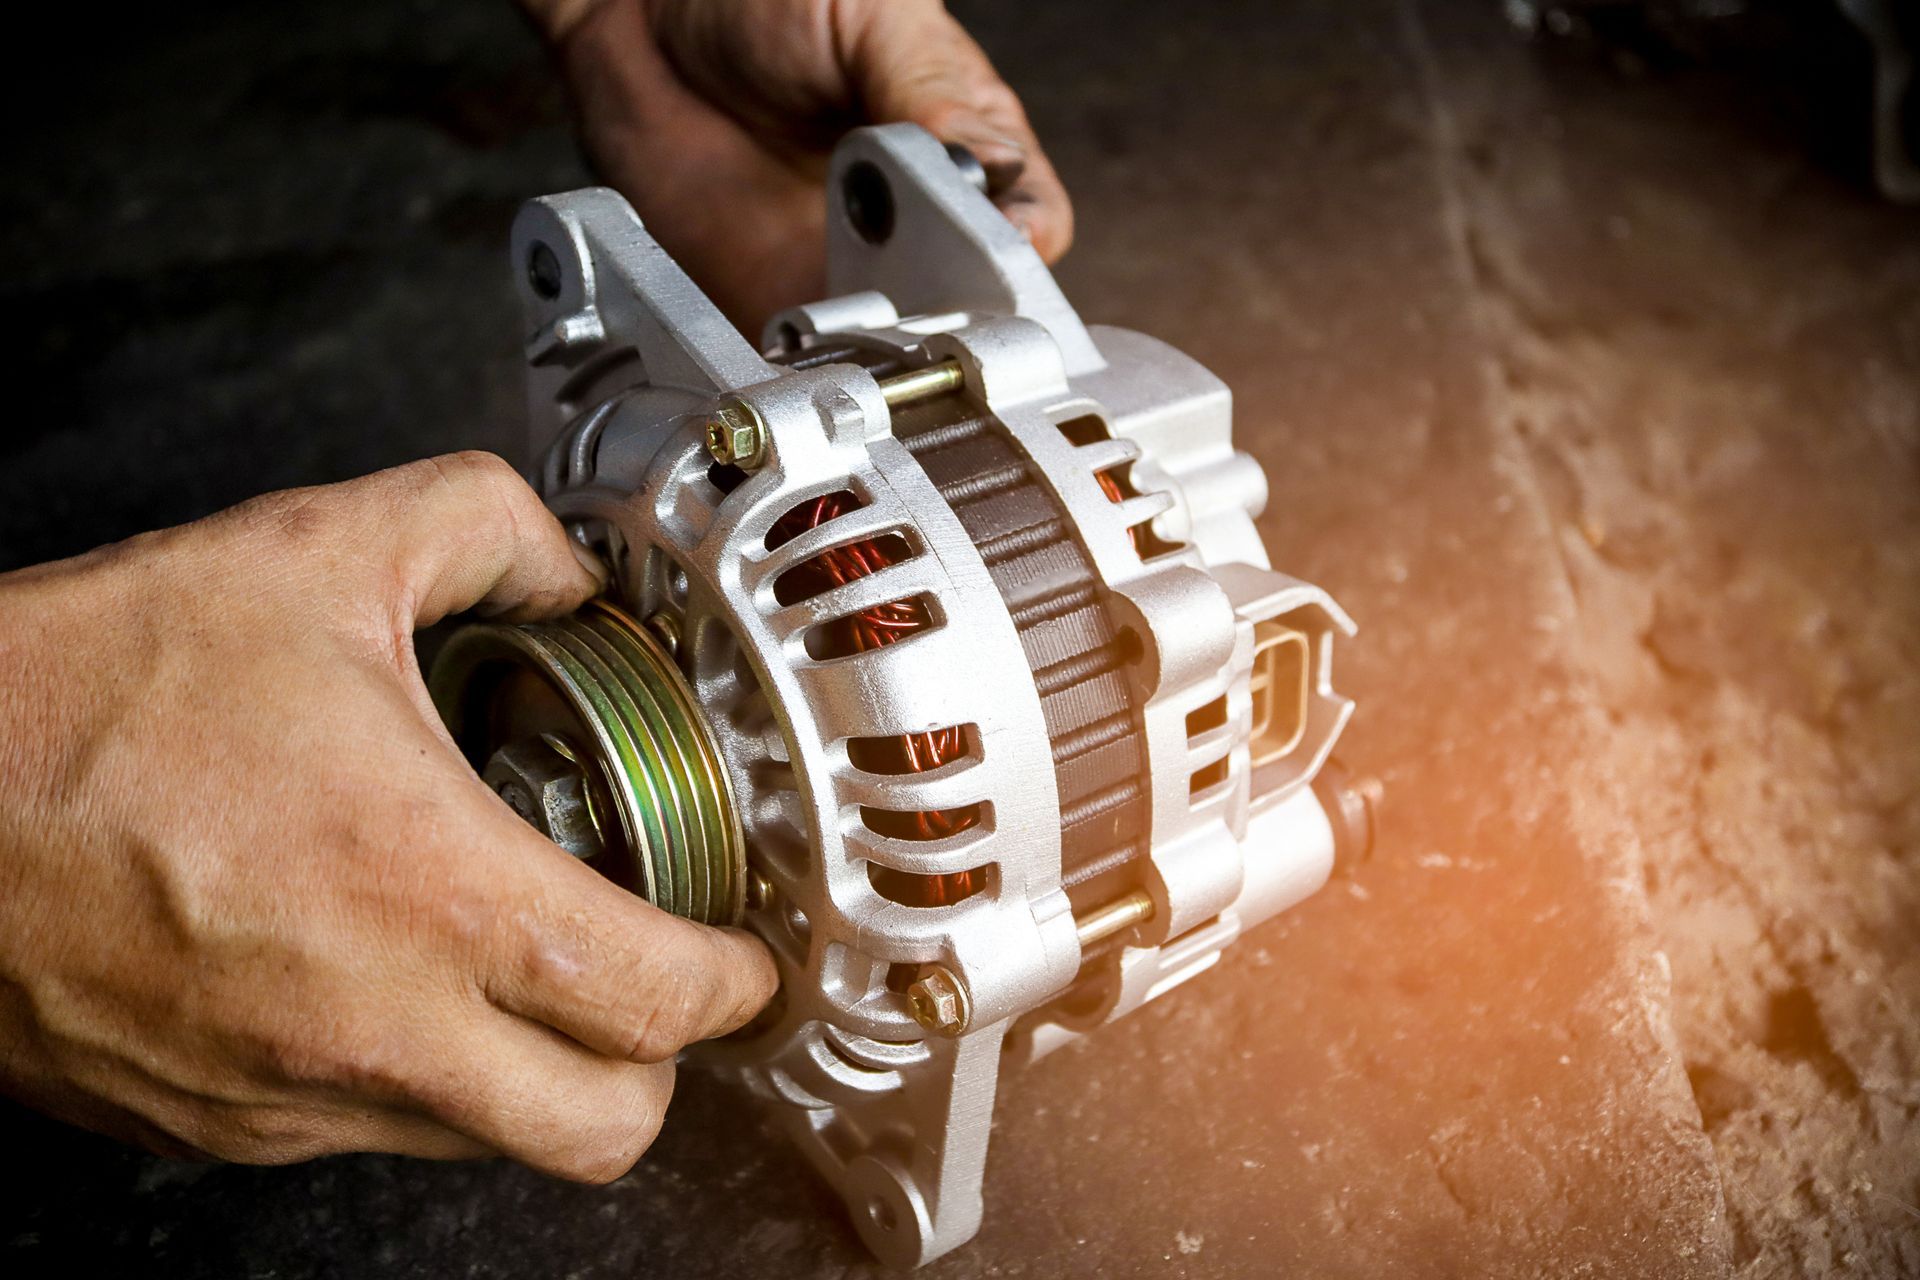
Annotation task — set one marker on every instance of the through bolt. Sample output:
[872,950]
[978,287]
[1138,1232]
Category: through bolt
[759,890]
[938,1001]
[666,630]
[736,437]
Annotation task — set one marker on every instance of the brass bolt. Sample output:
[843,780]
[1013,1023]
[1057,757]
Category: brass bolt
[939,1002]
[1104,921]
[923,383]
[736,437]
[666,629]
[759,890]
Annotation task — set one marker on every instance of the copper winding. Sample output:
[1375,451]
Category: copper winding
[870,629]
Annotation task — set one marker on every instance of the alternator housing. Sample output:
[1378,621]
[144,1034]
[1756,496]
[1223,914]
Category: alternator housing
[1021,726]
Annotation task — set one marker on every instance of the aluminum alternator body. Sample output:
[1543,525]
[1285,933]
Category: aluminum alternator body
[1021,727]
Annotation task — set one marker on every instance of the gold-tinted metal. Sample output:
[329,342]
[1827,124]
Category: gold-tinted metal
[759,890]
[603,682]
[1110,918]
[939,1001]
[736,437]
[667,631]
[922,384]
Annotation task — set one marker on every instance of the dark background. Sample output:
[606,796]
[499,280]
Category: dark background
[1586,372]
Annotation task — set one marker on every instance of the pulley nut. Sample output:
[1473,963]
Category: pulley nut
[736,437]
[547,787]
[939,1002]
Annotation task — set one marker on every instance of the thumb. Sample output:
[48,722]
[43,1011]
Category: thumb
[912,61]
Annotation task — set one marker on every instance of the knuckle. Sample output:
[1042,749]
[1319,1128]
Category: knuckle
[757,978]
[728,985]
[625,1132]
[685,994]
[598,1163]
[740,974]
[664,1028]
[499,494]
[479,467]
[486,477]
[505,936]
[468,478]
[543,959]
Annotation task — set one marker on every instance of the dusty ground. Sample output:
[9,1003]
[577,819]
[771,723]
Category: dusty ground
[1591,395]
[1714,364]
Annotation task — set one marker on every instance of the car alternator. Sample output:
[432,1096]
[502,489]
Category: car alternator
[943,653]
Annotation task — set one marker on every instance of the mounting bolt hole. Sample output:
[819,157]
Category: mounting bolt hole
[868,200]
[882,1214]
[543,272]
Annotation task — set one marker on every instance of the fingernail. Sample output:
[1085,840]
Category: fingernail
[1003,158]
[592,563]
[984,143]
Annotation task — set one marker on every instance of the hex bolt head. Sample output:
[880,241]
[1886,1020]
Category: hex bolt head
[549,790]
[736,437]
[939,1002]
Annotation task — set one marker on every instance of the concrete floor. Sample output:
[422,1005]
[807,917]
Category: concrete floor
[1591,396]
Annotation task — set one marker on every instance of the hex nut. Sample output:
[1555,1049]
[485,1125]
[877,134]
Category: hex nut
[939,1002]
[736,437]
[549,791]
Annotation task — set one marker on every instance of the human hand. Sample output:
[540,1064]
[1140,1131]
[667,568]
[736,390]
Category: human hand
[254,904]
[716,118]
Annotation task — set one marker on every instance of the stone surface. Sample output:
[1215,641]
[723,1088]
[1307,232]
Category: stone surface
[1589,396]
